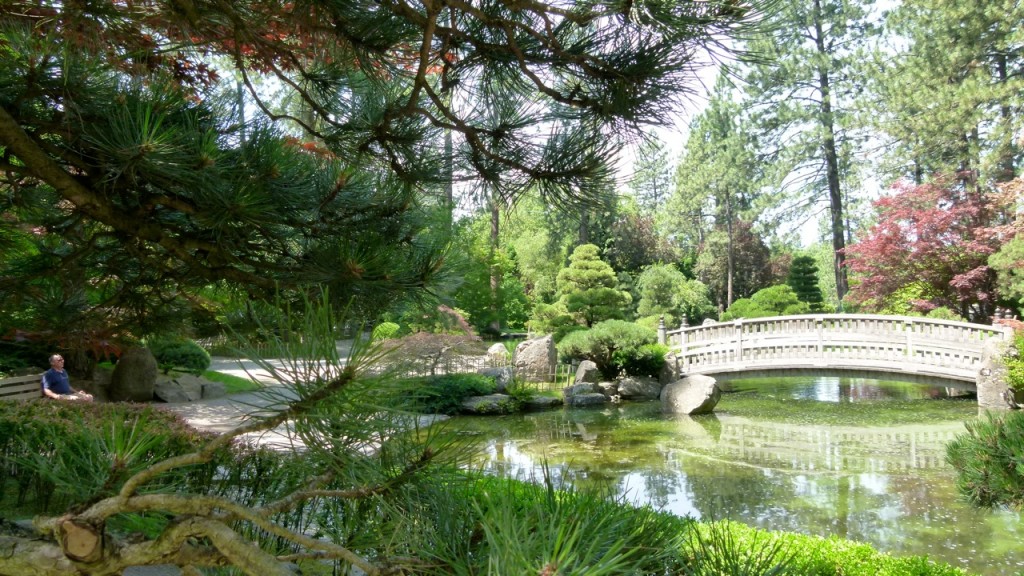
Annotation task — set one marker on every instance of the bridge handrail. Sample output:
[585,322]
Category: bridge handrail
[868,338]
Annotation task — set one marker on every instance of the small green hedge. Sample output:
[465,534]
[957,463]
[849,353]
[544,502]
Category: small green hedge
[179,353]
[444,394]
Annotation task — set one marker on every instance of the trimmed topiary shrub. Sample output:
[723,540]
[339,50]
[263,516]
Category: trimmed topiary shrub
[180,354]
[645,360]
[989,460]
[385,331]
[608,345]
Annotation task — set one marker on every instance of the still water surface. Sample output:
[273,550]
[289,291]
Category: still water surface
[861,459]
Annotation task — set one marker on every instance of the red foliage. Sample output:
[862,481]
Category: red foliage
[936,234]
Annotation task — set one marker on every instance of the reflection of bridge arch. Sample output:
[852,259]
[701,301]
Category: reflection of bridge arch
[797,447]
[900,347]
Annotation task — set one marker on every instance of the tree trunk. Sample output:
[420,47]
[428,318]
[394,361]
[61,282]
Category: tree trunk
[584,230]
[730,259]
[835,195]
[495,324]
[1006,169]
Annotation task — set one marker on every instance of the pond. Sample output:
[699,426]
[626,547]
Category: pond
[856,458]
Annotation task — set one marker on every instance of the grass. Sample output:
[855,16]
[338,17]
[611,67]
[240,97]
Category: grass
[233,384]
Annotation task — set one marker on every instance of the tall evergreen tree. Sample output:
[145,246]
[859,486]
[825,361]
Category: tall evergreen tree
[717,180]
[652,175]
[804,90]
[950,91]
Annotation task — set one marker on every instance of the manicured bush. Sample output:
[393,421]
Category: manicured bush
[385,331]
[645,360]
[1015,364]
[604,341]
[779,300]
[989,460]
[444,394]
[179,354]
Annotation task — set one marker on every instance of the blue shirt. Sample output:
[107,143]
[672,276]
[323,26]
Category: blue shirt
[56,382]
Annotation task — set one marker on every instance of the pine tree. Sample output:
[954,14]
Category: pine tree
[803,92]
[950,99]
[128,162]
[652,175]
[588,288]
[803,279]
[717,181]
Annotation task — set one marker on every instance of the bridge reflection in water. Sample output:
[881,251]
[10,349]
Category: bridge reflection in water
[819,449]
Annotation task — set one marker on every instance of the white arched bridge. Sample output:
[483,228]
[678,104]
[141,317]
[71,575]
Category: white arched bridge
[893,347]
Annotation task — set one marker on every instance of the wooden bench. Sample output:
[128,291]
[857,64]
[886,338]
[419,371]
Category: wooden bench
[21,387]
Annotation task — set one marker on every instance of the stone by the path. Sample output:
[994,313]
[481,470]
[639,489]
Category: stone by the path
[697,394]
[134,376]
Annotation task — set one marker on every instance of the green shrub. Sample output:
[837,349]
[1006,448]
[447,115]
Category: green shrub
[745,308]
[989,460]
[943,313]
[59,454]
[778,300]
[645,360]
[385,331]
[180,354]
[1015,365]
[601,343]
[444,394]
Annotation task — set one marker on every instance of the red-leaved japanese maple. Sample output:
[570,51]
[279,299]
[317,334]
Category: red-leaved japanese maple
[937,236]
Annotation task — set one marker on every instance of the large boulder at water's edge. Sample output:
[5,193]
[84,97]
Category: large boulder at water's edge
[134,376]
[583,394]
[639,388]
[609,389]
[541,403]
[588,372]
[490,404]
[534,360]
[502,377]
[590,399]
[697,394]
[670,371]
[579,388]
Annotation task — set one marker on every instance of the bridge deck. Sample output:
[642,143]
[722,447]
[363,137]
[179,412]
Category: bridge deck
[895,345]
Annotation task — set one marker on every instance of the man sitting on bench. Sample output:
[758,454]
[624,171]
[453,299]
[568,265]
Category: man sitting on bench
[56,384]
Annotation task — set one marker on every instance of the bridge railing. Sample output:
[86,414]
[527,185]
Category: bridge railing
[835,340]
